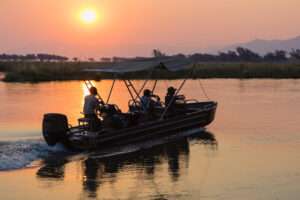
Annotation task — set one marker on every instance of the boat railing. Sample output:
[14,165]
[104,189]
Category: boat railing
[191,101]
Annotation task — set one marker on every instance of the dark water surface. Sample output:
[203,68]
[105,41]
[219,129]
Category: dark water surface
[251,151]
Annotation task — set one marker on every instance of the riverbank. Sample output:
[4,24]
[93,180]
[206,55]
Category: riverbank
[58,71]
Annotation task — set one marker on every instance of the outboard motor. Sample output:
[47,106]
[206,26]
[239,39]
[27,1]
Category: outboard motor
[55,127]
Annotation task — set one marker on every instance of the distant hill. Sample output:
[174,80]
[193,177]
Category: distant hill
[263,46]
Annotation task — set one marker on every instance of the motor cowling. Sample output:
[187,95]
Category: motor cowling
[55,127]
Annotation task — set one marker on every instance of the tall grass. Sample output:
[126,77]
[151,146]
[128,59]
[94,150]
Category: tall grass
[43,71]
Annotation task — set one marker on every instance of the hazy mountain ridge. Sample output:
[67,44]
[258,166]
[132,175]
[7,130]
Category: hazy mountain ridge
[264,46]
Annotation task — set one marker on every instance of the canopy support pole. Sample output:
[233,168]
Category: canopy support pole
[141,89]
[111,90]
[154,86]
[145,83]
[129,84]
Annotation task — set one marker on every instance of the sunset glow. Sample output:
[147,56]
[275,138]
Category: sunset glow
[88,16]
[96,28]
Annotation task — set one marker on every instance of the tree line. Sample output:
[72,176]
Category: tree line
[241,54]
[41,57]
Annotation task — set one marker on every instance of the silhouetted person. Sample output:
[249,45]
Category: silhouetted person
[149,102]
[173,101]
[146,100]
[170,95]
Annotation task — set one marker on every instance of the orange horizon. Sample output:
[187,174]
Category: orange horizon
[134,28]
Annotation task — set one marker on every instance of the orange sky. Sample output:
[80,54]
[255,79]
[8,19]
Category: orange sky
[135,27]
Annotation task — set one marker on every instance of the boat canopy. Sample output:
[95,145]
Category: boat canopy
[167,63]
[170,64]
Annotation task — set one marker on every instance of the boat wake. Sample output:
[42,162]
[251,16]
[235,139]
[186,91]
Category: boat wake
[35,153]
[21,154]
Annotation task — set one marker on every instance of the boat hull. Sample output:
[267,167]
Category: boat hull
[197,119]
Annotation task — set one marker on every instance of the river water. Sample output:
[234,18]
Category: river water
[251,151]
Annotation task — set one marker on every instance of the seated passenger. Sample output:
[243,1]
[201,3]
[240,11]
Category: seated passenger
[147,101]
[171,97]
[90,108]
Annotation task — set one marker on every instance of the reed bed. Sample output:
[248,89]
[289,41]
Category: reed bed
[51,71]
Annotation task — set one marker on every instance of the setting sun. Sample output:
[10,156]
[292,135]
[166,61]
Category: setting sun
[88,16]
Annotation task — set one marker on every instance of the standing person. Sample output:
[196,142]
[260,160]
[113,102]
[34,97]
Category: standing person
[90,108]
